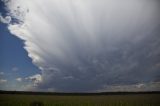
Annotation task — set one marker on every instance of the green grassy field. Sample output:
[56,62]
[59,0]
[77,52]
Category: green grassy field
[102,100]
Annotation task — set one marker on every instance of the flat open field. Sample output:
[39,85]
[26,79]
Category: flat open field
[94,100]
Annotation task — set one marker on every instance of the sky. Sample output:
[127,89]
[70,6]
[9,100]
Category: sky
[80,45]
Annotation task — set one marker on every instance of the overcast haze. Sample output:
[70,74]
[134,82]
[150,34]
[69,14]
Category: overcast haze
[89,45]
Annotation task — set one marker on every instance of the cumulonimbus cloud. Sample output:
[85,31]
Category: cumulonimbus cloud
[84,45]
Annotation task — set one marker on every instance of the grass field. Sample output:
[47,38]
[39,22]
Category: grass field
[101,100]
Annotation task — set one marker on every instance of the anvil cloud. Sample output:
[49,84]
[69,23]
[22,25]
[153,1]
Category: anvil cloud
[86,45]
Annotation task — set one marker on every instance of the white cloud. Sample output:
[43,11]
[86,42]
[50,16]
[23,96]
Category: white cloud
[15,69]
[1,73]
[2,81]
[35,79]
[85,44]
[5,20]
[19,79]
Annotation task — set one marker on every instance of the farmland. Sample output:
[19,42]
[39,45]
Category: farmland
[80,100]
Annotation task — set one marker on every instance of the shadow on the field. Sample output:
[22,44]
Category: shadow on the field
[36,103]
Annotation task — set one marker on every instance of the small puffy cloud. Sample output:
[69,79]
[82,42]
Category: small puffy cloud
[2,81]
[19,79]
[29,83]
[15,69]
[35,79]
[1,73]
[5,20]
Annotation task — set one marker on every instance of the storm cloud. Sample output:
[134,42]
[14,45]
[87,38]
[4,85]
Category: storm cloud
[86,45]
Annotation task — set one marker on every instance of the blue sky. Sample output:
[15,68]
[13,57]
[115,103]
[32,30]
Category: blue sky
[14,60]
[13,55]
[80,46]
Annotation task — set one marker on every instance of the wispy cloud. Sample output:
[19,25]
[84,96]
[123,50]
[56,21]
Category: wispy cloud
[84,45]
[151,86]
